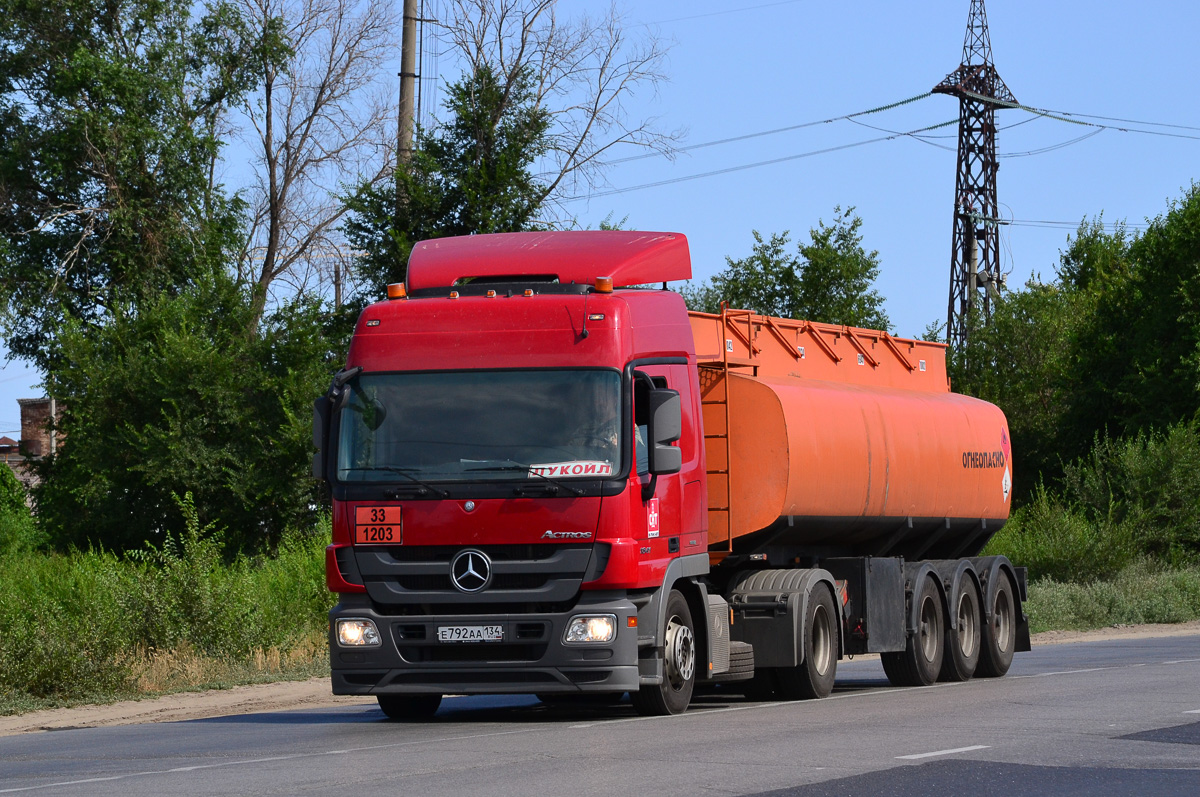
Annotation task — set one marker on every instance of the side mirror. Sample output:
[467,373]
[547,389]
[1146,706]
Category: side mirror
[666,425]
[321,411]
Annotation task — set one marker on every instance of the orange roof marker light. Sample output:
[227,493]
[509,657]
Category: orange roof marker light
[604,285]
[396,291]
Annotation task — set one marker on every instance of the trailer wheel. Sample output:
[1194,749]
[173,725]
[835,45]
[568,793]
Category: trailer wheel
[679,666]
[409,707]
[921,660]
[1000,632]
[963,643]
[813,677]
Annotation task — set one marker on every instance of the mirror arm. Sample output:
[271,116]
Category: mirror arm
[649,487]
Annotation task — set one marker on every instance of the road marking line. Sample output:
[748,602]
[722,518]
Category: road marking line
[1193,711]
[915,756]
[1181,661]
[1067,672]
[272,759]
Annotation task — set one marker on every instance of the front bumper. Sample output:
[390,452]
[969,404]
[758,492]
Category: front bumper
[532,657]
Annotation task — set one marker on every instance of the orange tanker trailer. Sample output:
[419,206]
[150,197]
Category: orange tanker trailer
[844,438]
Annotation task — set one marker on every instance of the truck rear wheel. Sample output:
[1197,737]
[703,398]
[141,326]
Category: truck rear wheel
[409,707]
[921,660]
[813,677]
[674,694]
[962,643]
[1000,632]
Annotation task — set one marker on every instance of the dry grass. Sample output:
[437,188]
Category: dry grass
[182,669]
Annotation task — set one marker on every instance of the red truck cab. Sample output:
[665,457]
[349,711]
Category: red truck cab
[517,467]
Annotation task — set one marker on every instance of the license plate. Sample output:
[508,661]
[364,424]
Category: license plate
[470,633]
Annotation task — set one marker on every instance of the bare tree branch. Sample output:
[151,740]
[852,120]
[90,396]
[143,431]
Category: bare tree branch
[583,74]
[318,123]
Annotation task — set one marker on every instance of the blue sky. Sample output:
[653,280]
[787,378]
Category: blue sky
[738,68]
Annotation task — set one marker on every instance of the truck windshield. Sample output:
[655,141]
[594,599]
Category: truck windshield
[481,426]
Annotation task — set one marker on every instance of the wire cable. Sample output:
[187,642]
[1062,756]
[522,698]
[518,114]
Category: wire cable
[787,129]
[1063,116]
[773,161]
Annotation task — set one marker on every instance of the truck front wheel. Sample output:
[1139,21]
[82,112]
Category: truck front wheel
[813,677]
[674,694]
[409,707]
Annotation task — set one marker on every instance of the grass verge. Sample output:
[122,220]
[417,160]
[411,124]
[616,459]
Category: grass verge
[1140,593]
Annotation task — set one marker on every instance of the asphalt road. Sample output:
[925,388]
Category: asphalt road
[1114,718]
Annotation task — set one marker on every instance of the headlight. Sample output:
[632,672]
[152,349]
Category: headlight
[595,628]
[356,633]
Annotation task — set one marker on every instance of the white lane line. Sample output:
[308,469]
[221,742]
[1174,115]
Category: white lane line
[1181,661]
[1069,672]
[271,759]
[1193,711]
[915,756]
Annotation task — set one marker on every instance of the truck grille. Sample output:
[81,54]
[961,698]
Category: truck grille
[409,576]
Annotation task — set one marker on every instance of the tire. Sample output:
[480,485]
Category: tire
[409,707]
[1000,632]
[674,694]
[741,661]
[963,643]
[813,677]
[920,663]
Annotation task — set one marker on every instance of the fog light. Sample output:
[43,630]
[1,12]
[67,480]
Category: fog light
[597,628]
[356,633]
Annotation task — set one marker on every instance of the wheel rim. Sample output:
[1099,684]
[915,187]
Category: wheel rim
[929,628]
[821,644]
[681,653]
[967,631]
[1002,621]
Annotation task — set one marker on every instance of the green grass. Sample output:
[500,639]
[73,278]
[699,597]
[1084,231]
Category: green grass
[94,627]
[1141,593]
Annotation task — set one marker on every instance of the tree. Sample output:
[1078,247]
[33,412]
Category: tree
[320,121]
[1021,361]
[471,175]
[108,114]
[179,399]
[578,73]
[537,111]
[829,279]
[835,285]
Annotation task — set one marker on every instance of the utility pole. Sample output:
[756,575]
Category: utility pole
[408,83]
[975,249]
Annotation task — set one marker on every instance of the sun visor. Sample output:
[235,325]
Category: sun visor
[630,258]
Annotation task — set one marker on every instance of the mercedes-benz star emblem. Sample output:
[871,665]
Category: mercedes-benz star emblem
[471,570]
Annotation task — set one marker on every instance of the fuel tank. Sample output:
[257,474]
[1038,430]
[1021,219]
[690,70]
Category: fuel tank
[835,440]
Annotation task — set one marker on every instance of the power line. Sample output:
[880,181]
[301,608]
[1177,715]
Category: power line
[776,130]
[1074,225]
[745,166]
[1066,116]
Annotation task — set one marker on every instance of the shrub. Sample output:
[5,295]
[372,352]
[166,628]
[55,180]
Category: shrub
[1149,484]
[1061,542]
[1144,592]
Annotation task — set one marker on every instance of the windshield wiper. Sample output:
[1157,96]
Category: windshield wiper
[425,487]
[513,465]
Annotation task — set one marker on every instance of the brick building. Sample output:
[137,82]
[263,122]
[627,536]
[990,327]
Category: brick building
[35,439]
